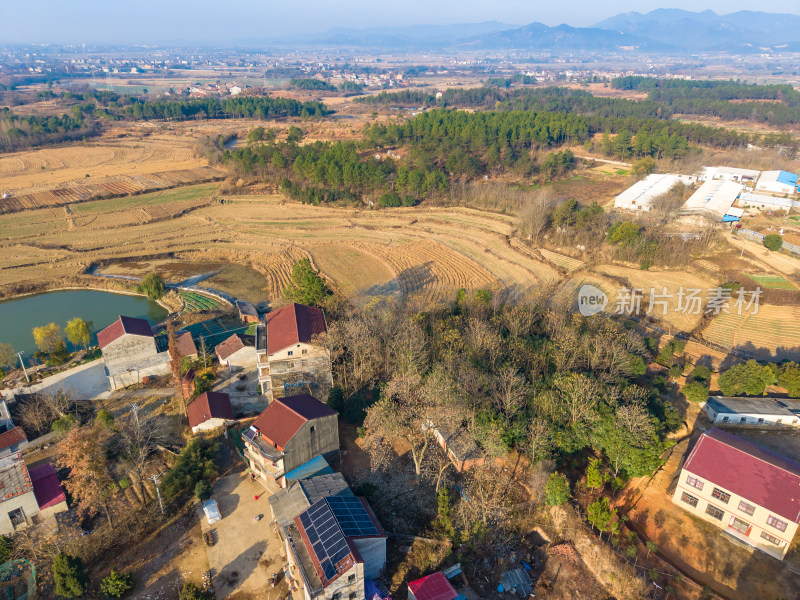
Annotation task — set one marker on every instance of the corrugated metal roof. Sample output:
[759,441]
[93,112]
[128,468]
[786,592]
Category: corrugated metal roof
[750,406]
[315,466]
[432,587]
[787,178]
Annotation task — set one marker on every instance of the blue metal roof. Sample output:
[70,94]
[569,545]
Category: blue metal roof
[316,466]
[787,178]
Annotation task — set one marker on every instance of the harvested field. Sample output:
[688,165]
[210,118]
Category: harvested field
[125,160]
[772,333]
[673,281]
[567,262]
[354,270]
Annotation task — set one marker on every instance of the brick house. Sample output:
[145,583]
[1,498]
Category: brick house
[28,496]
[334,546]
[747,491]
[289,433]
[290,355]
[130,352]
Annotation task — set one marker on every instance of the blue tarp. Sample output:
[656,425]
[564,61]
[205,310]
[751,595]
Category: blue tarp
[316,466]
[729,219]
[372,591]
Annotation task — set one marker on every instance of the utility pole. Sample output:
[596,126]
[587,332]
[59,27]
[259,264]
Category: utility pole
[158,493]
[24,370]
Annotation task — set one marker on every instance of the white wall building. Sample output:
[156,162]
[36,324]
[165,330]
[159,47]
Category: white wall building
[748,411]
[641,194]
[743,176]
[760,201]
[777,182]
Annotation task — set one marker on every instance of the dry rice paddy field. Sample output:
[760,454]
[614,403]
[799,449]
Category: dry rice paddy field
[125,160]
[248,244]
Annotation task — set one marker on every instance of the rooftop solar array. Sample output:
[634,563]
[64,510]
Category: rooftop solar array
[327,540]
[352,516]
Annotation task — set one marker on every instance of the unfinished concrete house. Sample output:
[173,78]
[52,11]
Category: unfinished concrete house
[290,354]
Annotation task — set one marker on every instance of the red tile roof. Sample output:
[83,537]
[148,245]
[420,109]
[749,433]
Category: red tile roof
[229,346]
[122,326]
[11,437]
[282,419]
[46,486]
[209,405]
[744,468]
[293,324]
[432,587]
[184,344]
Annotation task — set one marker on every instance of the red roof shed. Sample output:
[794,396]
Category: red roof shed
[210,405]
[282,419]
[124,325]
[432,587]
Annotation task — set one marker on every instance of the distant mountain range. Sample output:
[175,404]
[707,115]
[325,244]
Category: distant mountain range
[663,30]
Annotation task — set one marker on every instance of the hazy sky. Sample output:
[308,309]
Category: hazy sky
[223,23]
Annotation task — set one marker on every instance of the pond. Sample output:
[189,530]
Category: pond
[19,316]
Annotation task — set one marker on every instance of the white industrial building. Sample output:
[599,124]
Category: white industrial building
[640,195]
[763,202]
[749,411]
[729,174]
[714,200]
[777,182]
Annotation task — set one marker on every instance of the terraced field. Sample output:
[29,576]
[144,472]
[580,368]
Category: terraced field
[567,262]
[773,332]
[773,281]
[194,302]
[126,160]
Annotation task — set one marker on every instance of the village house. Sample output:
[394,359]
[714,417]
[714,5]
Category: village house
[130,352]
[291,434]
[184,345]
[209,411]
[28,496]
[236,354]
[747,491]
[334,547]
[12,438]
[290,356]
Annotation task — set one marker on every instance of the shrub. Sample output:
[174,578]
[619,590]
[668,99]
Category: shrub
[195,462]
[556,492]
[409,201]
[701,373]
[675,371]
[746,378]
[191,592]
[623,233]
[602,516]
[152,286]
[790,378]
[306,287]
[696,391]
[69,576]
[773,241]
[594,474]
[116,584]
[390,200]
[105,418]
[202,490]
[63,424]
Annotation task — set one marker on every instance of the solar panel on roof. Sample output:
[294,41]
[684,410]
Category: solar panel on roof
[351,516]
[327,539]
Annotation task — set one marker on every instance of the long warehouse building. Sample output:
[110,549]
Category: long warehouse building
[640,195]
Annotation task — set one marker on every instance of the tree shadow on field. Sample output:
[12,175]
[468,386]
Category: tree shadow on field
[416,278]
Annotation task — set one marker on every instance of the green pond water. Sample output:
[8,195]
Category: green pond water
[18,317]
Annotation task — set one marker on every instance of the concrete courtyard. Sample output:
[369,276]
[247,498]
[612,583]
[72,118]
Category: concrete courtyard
[246,552]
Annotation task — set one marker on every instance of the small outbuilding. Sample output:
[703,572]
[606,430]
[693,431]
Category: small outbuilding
[235,354]
[209,411]
[247,311]
[779,182]
[432,587]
